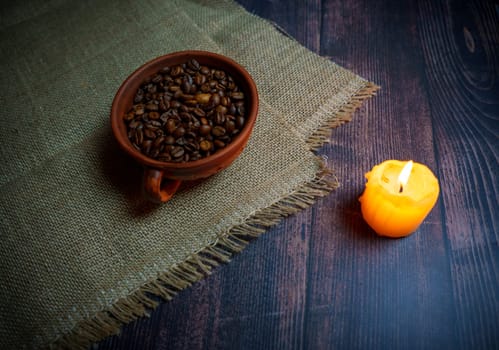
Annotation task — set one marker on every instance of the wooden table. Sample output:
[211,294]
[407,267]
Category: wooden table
[322,279]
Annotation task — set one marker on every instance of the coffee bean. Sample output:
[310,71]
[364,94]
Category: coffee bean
[239,121]
[205,145]
[185,112]
[139,137]
[230,126]
[193,64]
[237,95]
[191,147]
[134,124]
[218,131]
[177,152]
[155,123]
[179,132]
[146,146]
[219,144]
[203,98]
[159,141]
[186,87]
[219,118]
[204,129]
[205,87]
[149,134]
[219,74]
[139,109]
[199,112]
[214,99]
[176,71]
[171,125]
[164,157]
[169,140]
[204,70]
[139,96]
[153,115]
[199,79]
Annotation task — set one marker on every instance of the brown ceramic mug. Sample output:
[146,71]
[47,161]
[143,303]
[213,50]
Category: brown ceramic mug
[162,179]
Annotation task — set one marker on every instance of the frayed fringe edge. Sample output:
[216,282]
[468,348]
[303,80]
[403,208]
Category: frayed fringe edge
[196,266]
[201,264]
[341,116]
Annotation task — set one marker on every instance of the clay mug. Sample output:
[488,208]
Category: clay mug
[162,179]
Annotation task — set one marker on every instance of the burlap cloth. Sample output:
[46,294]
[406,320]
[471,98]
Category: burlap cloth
[81,251]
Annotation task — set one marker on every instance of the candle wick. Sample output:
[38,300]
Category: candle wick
[401,188]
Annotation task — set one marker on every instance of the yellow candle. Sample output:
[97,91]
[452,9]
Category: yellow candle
[398,197]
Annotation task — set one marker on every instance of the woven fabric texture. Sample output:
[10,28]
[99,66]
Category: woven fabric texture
[80,248]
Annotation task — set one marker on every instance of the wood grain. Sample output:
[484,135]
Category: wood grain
[322,279]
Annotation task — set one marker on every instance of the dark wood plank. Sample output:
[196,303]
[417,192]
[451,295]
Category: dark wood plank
[322,278]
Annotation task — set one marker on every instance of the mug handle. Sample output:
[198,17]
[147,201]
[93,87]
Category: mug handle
[155,188]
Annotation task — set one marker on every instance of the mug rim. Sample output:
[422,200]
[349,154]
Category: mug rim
[137,77]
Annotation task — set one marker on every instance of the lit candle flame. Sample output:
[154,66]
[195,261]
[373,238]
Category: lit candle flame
[404,175]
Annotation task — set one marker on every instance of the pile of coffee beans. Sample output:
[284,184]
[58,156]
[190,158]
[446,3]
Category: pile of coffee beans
[185,112]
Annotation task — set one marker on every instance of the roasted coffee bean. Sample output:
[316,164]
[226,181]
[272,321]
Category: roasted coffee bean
[176,71]
[134,124]
[199,112]
[159,141]
[214,99]
[218,131]
[199,79]
[203,98]
[239,121]
[221,109]
[164,157]
[205,87]
[171,125]
[139,136]
[204,70]
[153,115]
[152,88]
[177,152]
[163,105]
[157,78]
[240,108]
[185,112]
[169,140]
[237,95]
[219,144]
[219,74]
[219,118]
[139,109]
[204,130]
[149,134]
[225,101]
[139,96]
[205,145]
[191,147]
[179,132]
[146,146]
[175,104]
[155,123]
[190,136]
[232,109]
[193,64]
[230,126]
[186,87]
